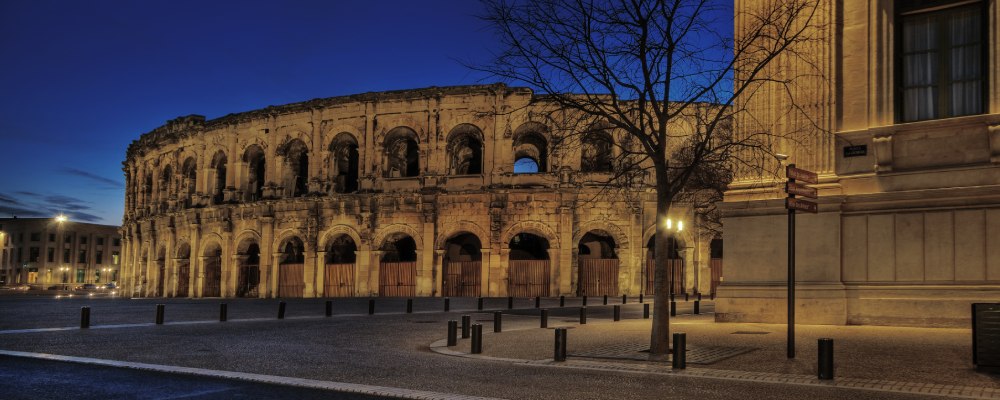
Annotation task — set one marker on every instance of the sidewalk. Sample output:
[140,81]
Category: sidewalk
[918,360]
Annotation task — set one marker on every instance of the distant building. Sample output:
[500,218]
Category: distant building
[44,252]
[903,129]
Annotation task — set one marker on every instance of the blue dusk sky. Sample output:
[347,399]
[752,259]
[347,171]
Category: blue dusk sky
[79,80]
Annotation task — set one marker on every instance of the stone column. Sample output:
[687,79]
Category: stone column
[266,249]
[373,272]
[559,283]
[486,272]
[199,277]
[320,282]
[362,271]
[439,270]
[309,269]
[502,269]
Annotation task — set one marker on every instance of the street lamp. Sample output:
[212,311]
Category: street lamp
[61,218]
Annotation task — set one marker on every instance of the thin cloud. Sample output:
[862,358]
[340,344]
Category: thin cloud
[35,205]
[26,193]
[114,184]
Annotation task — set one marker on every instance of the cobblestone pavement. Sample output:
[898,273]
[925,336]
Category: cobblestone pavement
[392,350]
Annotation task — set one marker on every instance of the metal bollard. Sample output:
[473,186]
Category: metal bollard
[685,296]
[371,306]
[562,301]
[409,306]
[510,302]
[159,314]
[697,307]
[84,317]
[584,301]
[447,304]
[466,321]
[545,318]
[825,358]
[538,302]
[645,311]
[699,296]
[452,333]
[560,351]
[479,304]
[281,310]
[329,308]
[624,299]
[618,313]
[673,308]
[672,297]
[497,321]
[640,298]
[223,312]
[680,351]
[605,299]
[477,339]
[583,315]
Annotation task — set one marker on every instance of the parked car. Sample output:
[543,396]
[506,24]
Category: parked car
[87,287]
[110,286]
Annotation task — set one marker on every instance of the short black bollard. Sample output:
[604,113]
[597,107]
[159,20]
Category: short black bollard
[697,307]
[825,358]
[452,333]
[466,321]
[618,313]
[223,312]
[605,299]
[479,304]
[584,301]
[84,317]
[447,304]
[672,298]
[538,302]
[281,310]
[624,299]
[645,311]
[497,321]
[371,306]
[699,296]
[409,306]
[583,315]
[640,298]
[673,308]
[329,308]
[477,339]
[560,351]
[562,301]
[510,302]
[680,351]
[685,296]
[159,314]
[545,318]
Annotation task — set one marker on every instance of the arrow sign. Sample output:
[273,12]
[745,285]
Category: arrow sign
[801,175]
[792,203]
[800,190]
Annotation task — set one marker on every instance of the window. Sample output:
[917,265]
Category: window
[66,256]
[116,242]
[941,59]
[82,259]
[80,274]
[33,254]
[83,240]
[52,237]
[115,257]
[68,238]
[50,255]
[19,255]
[100,241]
[36,236]
[99,257]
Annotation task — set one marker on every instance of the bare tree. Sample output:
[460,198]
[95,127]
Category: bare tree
[643,66]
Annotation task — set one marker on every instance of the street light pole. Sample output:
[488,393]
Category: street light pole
[791,274]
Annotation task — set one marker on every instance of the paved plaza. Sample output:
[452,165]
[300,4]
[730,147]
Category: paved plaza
[394,354]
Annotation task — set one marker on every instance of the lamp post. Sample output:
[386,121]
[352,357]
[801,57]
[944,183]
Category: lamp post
[675,228]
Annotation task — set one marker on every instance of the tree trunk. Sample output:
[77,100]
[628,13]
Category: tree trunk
[659,342]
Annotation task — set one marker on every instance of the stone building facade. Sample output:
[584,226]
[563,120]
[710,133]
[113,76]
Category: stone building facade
[405,193]
[44,252]
[901,120]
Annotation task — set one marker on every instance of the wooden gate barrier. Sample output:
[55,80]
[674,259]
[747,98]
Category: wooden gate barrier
[462,279]
[291,280]
[528,278]
[397,279]
[676,266]
[339,280]
[598,277]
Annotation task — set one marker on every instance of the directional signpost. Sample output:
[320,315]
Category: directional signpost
[794,188]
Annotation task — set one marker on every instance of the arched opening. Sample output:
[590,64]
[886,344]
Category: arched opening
[147,192]
[397,273]
[253,157]
[166,187]
[161,272]
[465,150]
[344,150]
[291,268]
[675,264]
[341,256]
[189,170]
[529,266]
[183,262]
[248,279]
[530,145]
[462,266]
[213,271]
[715,262]
[595,152]
[402,153]
[296,179]
[598,265]
[219,162]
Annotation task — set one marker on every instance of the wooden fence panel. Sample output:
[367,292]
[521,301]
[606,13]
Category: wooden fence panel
[676,266]
[528,278]
[291,280]
[183,279]
[248,281]
[397,279]
[598,277]
[716,266]
[463,279]
[213,278]
[339,280]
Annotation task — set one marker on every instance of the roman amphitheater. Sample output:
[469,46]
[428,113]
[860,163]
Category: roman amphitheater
[455,191]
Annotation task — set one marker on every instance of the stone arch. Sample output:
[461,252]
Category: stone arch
[596,149]
[453,229]
[207,240]
[291,250]
[382,234]
[604,227]
[401,146]
[219,164]
[242,239]
[648,233]
[345,162]
[534,227]
[334,231]
[295,171]
[465,149]
[293,132]
[189,174]
[254,158]
[212,261]
[280,239]
[183,249]
[330,133]
[532,140]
